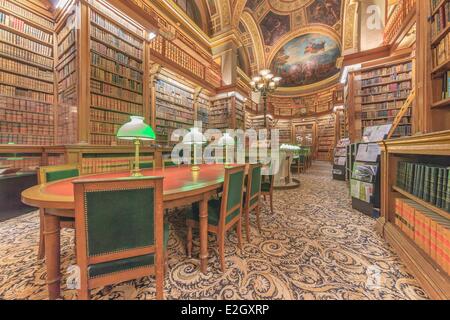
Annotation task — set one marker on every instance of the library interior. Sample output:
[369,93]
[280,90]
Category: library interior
[225,149]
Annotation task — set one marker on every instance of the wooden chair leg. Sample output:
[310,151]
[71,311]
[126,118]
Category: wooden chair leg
[258,220]
[271,203]
[239,233]
[247,224]
[221,242]
[189,241]
[41,250]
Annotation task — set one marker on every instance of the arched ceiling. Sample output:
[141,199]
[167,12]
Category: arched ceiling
[299,40]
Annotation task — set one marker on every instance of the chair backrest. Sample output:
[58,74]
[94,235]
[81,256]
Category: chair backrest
[148,164]
[253,184]
[55,173]
[119,227]
[169,163]
[232,194]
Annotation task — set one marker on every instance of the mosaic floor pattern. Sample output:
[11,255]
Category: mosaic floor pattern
[314,247]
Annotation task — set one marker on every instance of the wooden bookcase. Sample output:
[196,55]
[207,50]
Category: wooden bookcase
[305,135]
[26,75]
[431,148]
[440,65]
[326,137]
[285,130]
[377,94]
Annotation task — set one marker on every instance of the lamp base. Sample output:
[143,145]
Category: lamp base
[136,173]
[195,168]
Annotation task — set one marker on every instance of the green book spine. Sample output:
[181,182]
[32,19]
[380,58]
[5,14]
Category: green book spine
[421,178]
[416,179]
[406,184]
[426,187]
[411,178]
[440,179]
[444,187]
[400,174]
[447,198]
[433,184]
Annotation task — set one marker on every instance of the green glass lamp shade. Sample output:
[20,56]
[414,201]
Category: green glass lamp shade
[194,137]
[136,129]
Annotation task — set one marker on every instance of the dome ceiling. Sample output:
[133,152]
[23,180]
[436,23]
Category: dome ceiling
[301,39]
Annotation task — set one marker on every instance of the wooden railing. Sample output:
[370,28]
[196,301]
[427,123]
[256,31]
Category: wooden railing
[397,19]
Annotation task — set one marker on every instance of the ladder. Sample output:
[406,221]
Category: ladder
[402,112]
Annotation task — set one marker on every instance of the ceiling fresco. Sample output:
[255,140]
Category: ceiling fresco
[301,39]
[307,59]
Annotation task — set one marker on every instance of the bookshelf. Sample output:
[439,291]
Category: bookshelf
[407,207]
[174,104]
[256,122]
[326,135]
[67,79]
[203,105]
[439,23]
[26,76]
[117,48]
[285,128]
[220,113]
[305,135]
[380,92]
[239,113]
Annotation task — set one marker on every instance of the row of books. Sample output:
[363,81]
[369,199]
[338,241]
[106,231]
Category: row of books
[219,114]
[27,14]
[392,87]
[172,124]
[117,80]
[402,131]
[116,105]
[389,105]
[27,106]
[387,79]
[106,140]
[428,182]
[173,114]
[110,117]
[115,42]
[115,92]
[106,11]
[44,140]
[25,56]
[68,42]
[20,68]
[399,95]
[68,84]
[116,55]
[173,93]
[7,115]
[26,94]
[24,82]
[21,26]
[388,71]
[69,67]
[380,122]
[440,19]
[382,114]
[24,163]
[184,60]
[440,54]
[430,231]
[26,129]
[25,43]
[69,26]
[115,30]
[445,87]
[104,128]
[114,67]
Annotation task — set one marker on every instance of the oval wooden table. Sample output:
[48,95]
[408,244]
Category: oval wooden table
[182,186]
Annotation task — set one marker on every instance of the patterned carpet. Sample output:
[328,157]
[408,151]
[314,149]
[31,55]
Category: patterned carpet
[314,247]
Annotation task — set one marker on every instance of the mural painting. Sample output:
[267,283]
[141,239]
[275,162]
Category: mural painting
[273,27]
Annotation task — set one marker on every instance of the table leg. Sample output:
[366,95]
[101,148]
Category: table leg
[52,255]
[203,235]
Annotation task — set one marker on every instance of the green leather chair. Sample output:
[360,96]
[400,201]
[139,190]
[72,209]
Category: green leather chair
[252,197]
[146,164]
[169,163]
[52,174]
[120,231]
[224,213]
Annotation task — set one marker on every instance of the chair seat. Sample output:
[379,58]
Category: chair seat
[100,269]
[265,186]
[213,212]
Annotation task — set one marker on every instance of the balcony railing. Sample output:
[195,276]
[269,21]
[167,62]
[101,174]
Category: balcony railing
[397,19]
